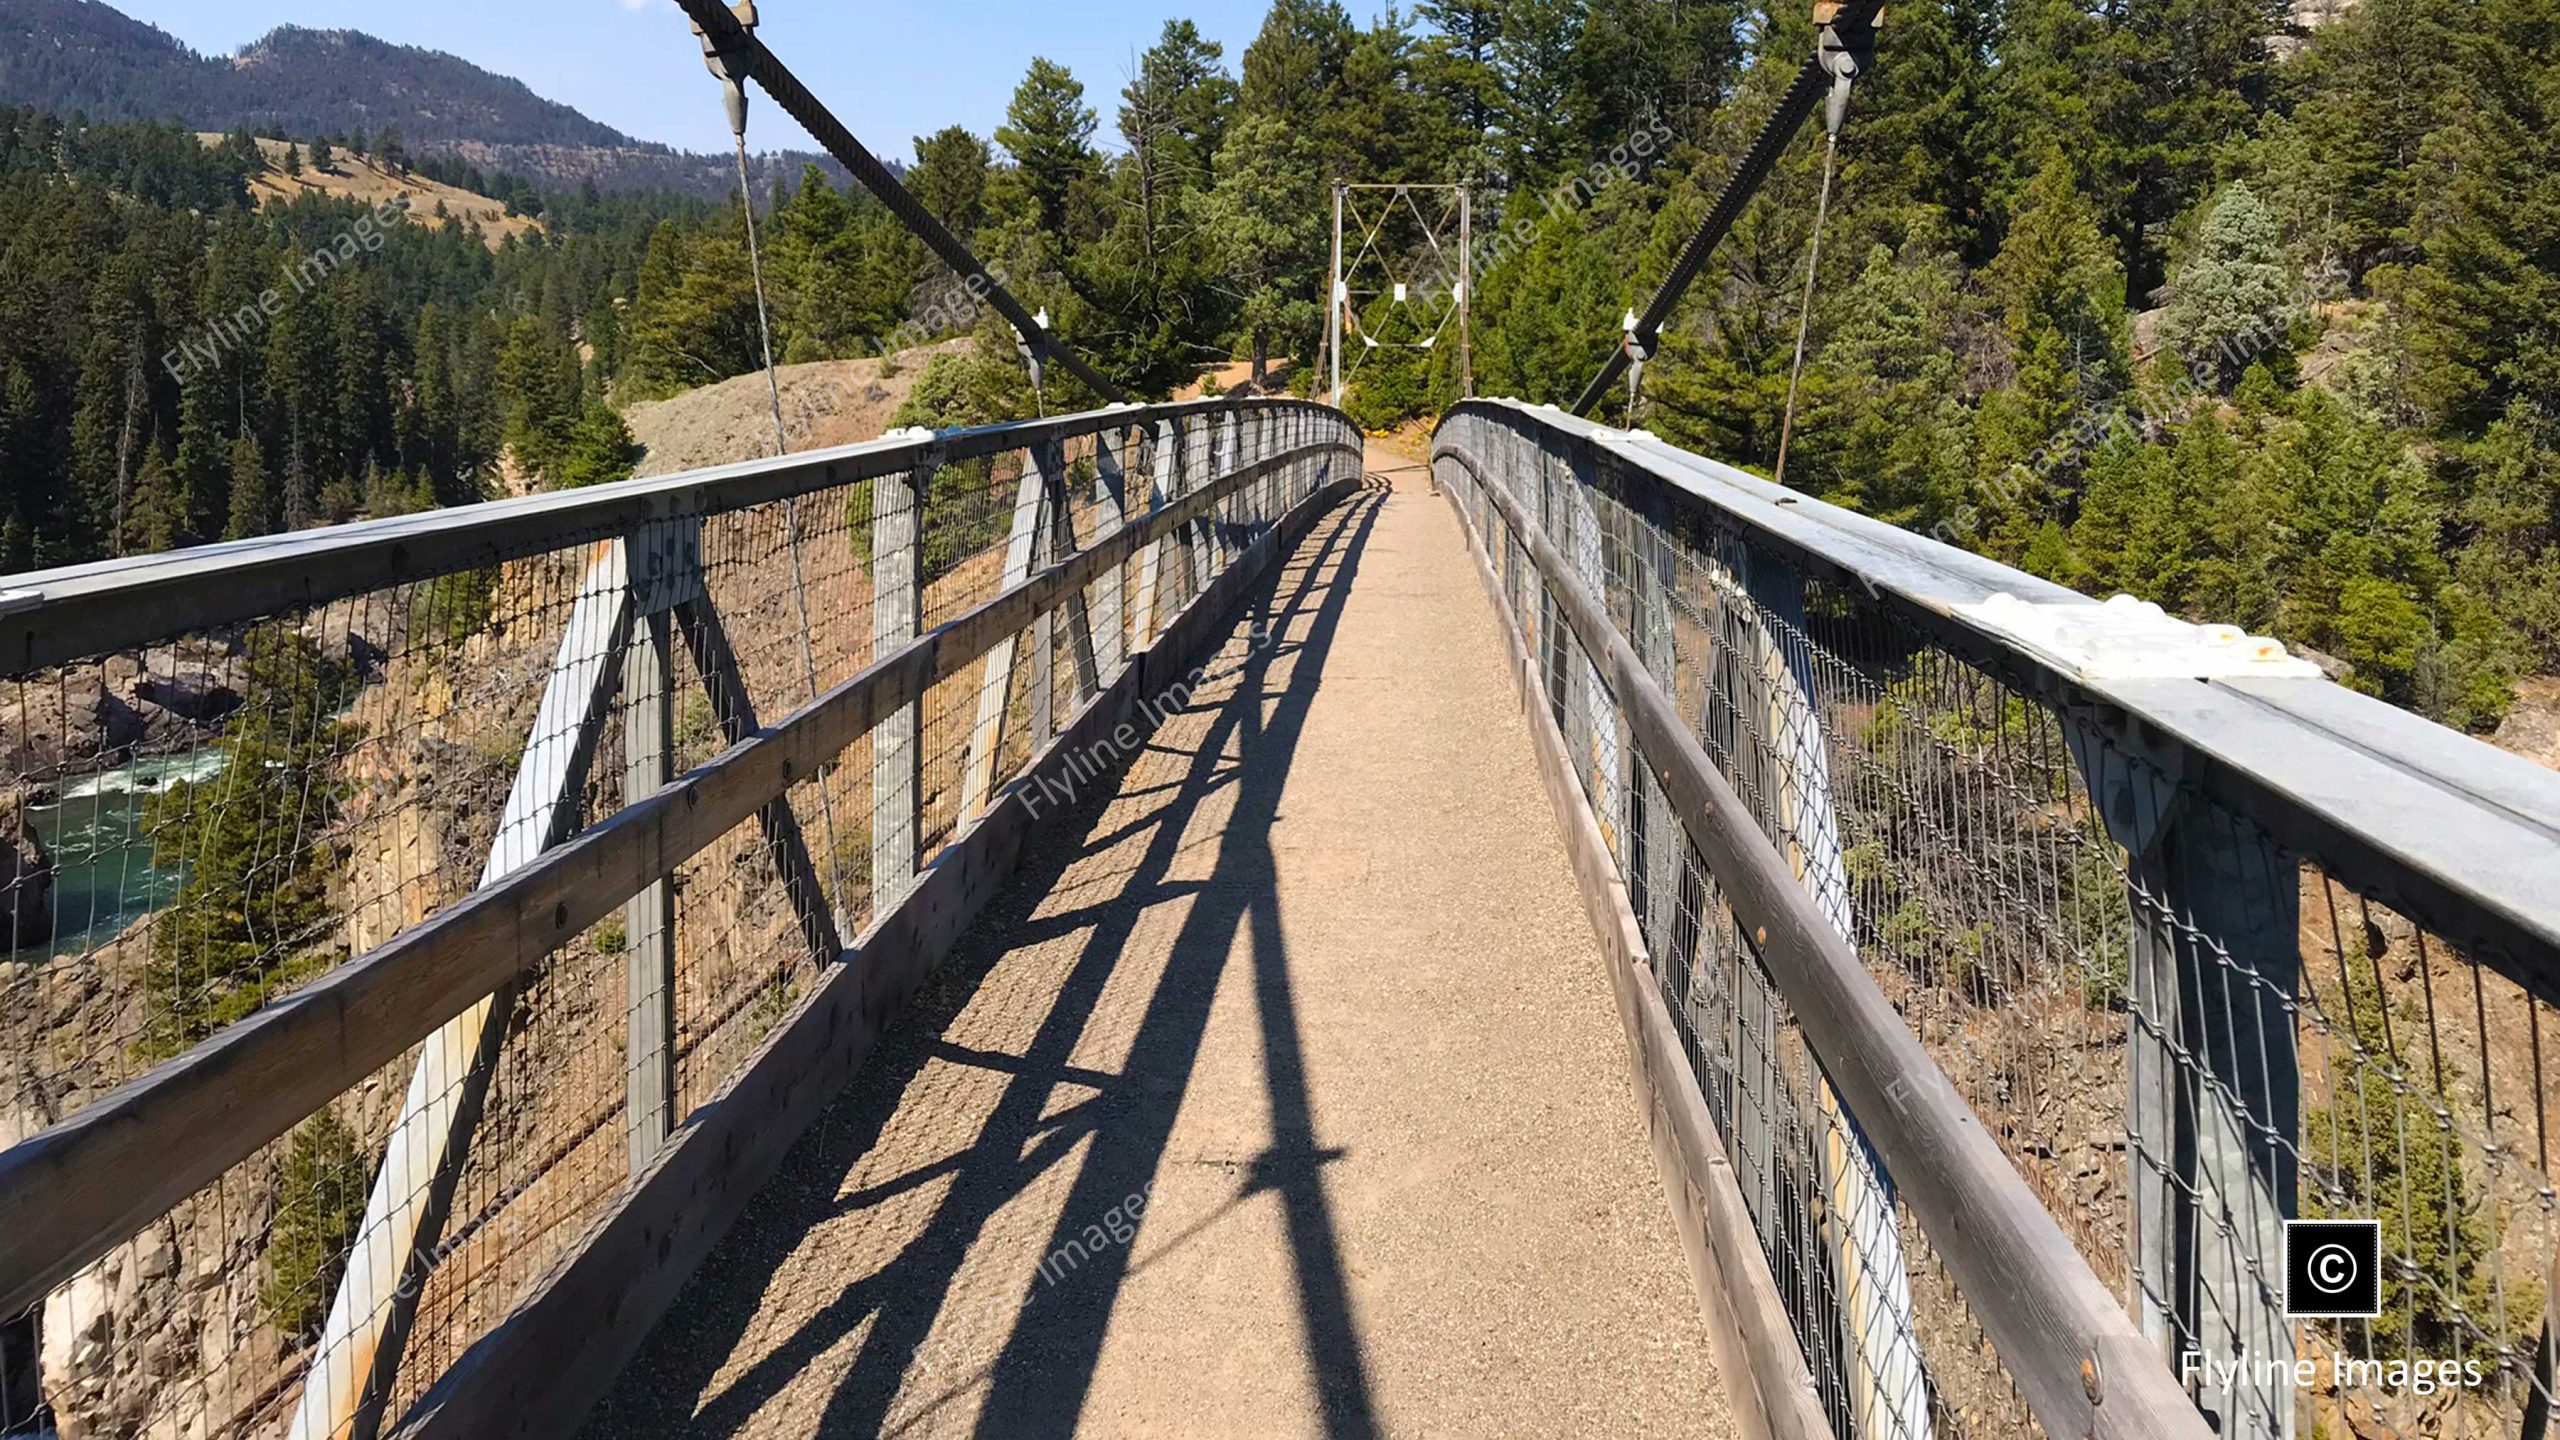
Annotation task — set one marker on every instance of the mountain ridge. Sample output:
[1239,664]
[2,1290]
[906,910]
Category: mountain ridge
[87,57]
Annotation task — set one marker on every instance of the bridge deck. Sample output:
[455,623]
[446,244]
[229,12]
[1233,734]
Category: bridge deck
[1328,1015]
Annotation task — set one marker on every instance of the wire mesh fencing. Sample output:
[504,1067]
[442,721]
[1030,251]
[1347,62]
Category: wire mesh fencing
[201,820]
[2180,1031]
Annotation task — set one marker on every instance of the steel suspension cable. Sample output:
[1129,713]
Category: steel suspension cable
[734,45]
[764,323]
[1851,31]
[735,97]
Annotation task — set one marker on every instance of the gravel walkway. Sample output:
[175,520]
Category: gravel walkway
[1282,1094]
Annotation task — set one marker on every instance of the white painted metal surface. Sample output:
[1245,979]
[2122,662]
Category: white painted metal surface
[432,1134]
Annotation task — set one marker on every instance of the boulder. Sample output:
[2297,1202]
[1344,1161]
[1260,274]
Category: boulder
[26,879]
[198,702]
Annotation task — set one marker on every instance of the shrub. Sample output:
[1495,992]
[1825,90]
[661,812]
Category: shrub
[452,608]
[253,916]
[317,1212]
[2397,1161]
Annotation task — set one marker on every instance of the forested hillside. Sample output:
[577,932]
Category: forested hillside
[2115,293]
[177,366]
[2155,296]
[80,55]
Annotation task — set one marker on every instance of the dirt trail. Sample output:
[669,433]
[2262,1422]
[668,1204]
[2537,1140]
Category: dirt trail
[1281,1095]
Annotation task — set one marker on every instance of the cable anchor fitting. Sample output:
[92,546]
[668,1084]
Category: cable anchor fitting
[1846,45]
[1639,348]
[730,66]
[1035,357]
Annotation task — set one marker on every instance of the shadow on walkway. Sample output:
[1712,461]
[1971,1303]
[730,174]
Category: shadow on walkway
[1038,1381]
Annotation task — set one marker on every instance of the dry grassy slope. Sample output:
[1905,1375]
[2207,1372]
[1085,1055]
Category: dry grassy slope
[828,402]
[356,177]
[824,402]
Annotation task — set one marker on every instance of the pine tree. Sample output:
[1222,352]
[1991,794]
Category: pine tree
[432,404]
[1294,66]
[693,318]
[254,908]
[1271,225]
[1542,113]
[1383,123]
[2055,272]
[1640,63]
[252,498]
[1916,165]
[25,474]
[320,1199]
[538,376]
[1152,278]
[1048,131]
[116,422]
[2200,68]
[1541,342]
[200,482]
[2235,295]
[152,521]
[360,390]
[600,451]
[2377,82]
[950,179]
[1887,430]
[1459,65]
[2504,603]
[2483,306]
[2065,85]
[2061,303]
[298,499]
[300,389]
[1174,113]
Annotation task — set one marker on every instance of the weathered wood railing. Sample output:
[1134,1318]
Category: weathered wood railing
[1002,561]
[1994,950]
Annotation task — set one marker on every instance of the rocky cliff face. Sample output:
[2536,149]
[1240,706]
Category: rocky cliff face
[95,716]
[169,1336]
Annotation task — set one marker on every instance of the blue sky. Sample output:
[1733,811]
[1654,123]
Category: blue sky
[889,71]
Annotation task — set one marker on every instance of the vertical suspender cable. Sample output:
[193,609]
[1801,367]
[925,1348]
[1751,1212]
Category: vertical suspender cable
[734,95]
[764,325]
[1804,311]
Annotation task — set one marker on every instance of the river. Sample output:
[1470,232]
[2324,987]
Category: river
[103,878]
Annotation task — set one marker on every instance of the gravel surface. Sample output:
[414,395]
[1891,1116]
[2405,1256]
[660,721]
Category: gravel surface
[1282,1094]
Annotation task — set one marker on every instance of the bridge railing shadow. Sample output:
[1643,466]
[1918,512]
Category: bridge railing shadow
[914,1355]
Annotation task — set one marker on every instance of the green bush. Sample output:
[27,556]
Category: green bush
[452,608]
[2397,1161]
[253,916]
[318,1209]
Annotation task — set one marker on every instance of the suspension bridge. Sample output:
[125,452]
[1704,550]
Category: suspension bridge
[1183,919]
